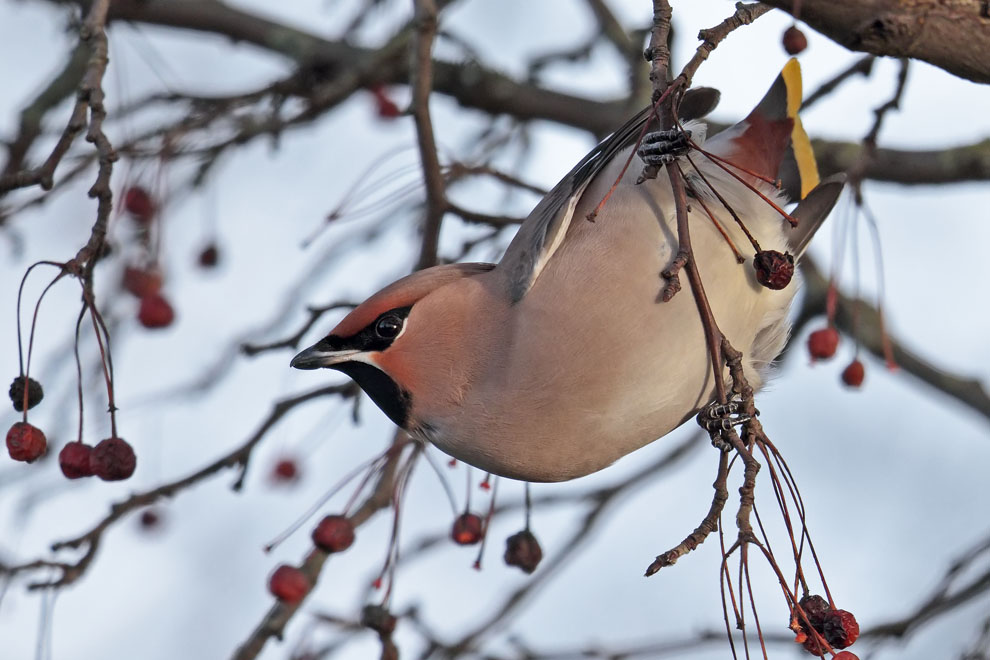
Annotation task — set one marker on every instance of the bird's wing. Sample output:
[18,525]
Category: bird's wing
[812,211]
[544,230]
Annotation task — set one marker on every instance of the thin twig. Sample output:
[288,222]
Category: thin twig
[422,85]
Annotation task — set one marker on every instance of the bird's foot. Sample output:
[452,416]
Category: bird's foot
[662,147]
[718,419]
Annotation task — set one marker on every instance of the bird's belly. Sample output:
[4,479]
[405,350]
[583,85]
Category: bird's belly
[596,366]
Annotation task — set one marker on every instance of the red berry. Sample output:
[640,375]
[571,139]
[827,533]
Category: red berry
[840,629]
[386,107]
[467,529]
[74,460]
[285,471]
[794,40]
[812,646]
[17,391]
[853,374]
[523,550]
[25,442]
[288,584]
[845,655]
[773,269]
[334,533]
[113,459]
[823,343]
[138,202]
[209,257]
[155,311]
[141,282]
[150,519]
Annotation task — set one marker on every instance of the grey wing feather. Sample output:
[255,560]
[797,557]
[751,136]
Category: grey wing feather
[812,211]
[544,230]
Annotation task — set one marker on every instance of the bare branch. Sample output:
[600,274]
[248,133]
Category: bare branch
[422,84]
[929,31]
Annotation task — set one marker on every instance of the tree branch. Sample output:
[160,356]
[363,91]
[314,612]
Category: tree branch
[951,34]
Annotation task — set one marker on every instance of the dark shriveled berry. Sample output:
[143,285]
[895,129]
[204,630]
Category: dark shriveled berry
[34,393]
[74,460]
[523,550]
[816,608]
[288,584]
[113,459]
[25,442]
[467,529]
[334,534]
[379,619]
[209,257]
[774,270]
[840,629]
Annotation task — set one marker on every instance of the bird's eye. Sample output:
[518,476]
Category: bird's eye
[388,327]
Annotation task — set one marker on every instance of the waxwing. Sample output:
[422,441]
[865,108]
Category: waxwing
[562,358]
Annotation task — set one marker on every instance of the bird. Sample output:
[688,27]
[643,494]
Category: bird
[562,358]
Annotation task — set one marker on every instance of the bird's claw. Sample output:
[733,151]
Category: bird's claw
[718,419]
[662,147]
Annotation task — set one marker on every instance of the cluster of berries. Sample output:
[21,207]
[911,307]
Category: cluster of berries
[111,459]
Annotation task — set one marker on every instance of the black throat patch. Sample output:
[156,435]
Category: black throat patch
[392,399]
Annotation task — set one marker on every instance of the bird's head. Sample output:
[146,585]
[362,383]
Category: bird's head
[381,343]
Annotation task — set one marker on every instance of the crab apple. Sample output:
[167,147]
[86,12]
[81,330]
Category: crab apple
[840,629]
[334,533]
[386,107]
[815,607]
[155,311]
[141,282]
[467,529]
[853,374]
[286,471]
[151,519]
[794,40]
[288,584]
[17,390]
[139,204]
[74,460]
[823,343]
[209,256]
[774,270]
[25,442]
[523,550]
[113,459]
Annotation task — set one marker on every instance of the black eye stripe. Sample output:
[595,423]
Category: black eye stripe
[372,337]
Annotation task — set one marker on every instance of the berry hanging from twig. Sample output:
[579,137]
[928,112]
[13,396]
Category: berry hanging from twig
[113,459]
[74,460]
[823,343]
[794,40]
[853,374]
[25,442]
[468,529]
[34,393]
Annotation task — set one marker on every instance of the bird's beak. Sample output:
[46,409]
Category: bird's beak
[318,356]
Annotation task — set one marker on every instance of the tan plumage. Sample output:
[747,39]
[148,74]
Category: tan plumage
[561,359]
